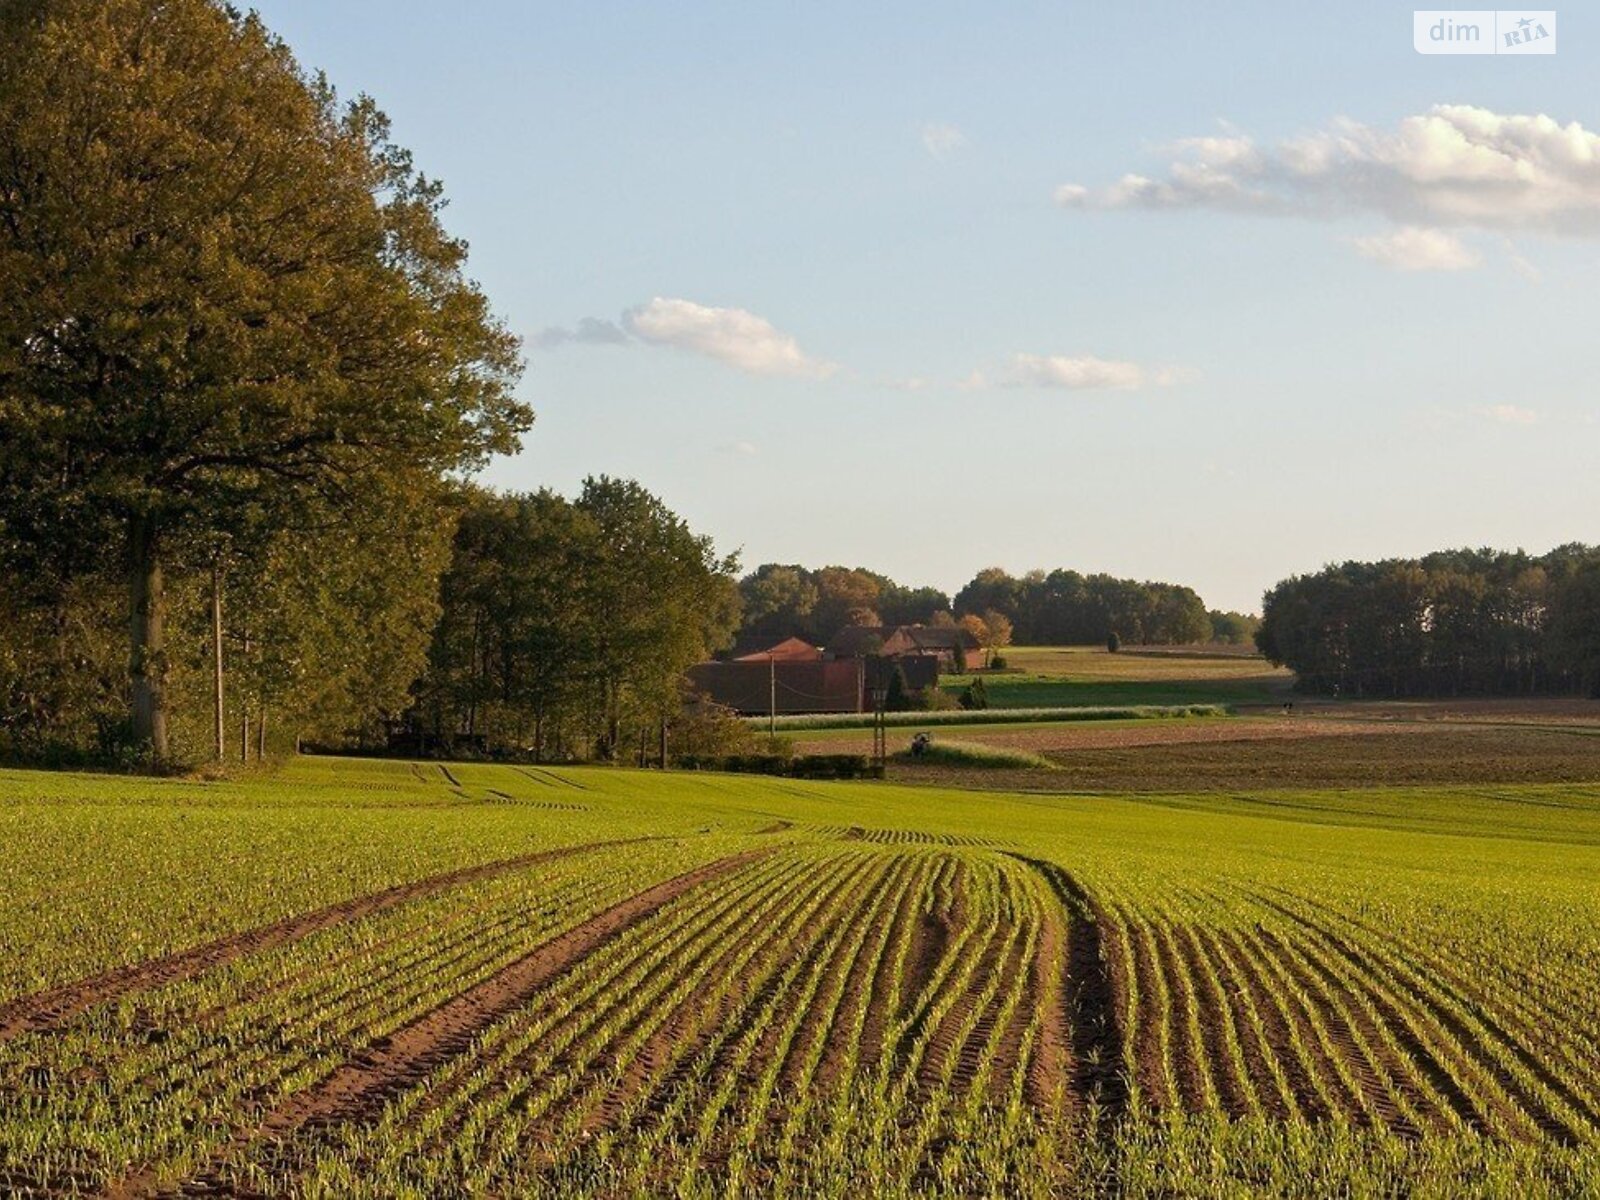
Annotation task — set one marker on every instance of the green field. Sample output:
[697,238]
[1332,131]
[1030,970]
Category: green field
[1059,676]
[382,979]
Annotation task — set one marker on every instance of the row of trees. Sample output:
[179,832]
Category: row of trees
[1043,609]
[789,600]
[240,359]
[567,625]
[1460,622]
[1062,608]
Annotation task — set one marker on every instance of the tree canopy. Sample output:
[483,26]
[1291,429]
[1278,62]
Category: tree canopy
[229,299]
[1457,622]
[567,625]
[1062,607]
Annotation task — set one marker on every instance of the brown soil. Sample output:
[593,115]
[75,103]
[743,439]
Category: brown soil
[1048,1069]
[49,1009]
[1087,1019]
[1276,1033]
[1214,1015]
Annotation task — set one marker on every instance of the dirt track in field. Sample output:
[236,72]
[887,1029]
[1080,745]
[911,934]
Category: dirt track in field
[49,1009]
[360,1087]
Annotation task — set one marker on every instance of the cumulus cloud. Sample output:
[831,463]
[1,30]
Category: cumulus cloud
[1082,372]
[1511,414]
[730,335]
[942,141]
[1452,167]
[1412,249]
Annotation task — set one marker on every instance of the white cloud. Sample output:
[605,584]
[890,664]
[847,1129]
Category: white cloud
[1452,167]
[730,335]
[1510,414]
[1414,249]
[942,141]
[1082,373]
[741,449]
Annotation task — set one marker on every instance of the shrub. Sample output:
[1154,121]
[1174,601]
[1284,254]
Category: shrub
[897,697]
[1113,642]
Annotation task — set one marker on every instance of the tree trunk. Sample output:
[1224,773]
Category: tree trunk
[261,734]
[147,660]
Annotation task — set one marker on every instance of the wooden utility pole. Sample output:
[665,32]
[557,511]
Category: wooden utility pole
[244,715]
[216,651]
[772,695]
[880,729]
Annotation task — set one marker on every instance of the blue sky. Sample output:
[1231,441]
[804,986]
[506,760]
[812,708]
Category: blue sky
[863,287]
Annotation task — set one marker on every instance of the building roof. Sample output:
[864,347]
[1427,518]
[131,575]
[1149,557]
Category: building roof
[790,649]
[857,641]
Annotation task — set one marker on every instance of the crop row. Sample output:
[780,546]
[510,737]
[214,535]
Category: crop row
[726,1033]
[153,1083]
[1255,1002]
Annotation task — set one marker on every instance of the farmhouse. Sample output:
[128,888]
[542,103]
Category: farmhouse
[757,685]
[763,674]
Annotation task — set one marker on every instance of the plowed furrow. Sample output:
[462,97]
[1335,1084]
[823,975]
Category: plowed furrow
[1154,1056]
[1189,1061]
[861,1028]
[1408,1106]
[759,925]
[1221,1033]
[1459,1066]
[1095,1001]
[1472,1021]
[1279,1050]
[939,1060]
[887,985]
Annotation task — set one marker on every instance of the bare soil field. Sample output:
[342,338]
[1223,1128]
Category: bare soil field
[1298,754]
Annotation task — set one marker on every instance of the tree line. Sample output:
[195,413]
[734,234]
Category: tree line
[241,372]
[567,625]
[1053,608]
[1453,623]
[1063,607]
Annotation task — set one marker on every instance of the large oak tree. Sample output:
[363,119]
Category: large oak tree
[224,291]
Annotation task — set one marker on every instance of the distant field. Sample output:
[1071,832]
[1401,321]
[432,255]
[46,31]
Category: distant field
[1046,676]
[362,978]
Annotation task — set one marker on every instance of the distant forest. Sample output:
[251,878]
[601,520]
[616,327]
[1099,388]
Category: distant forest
[1044,608]
[1454,623]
